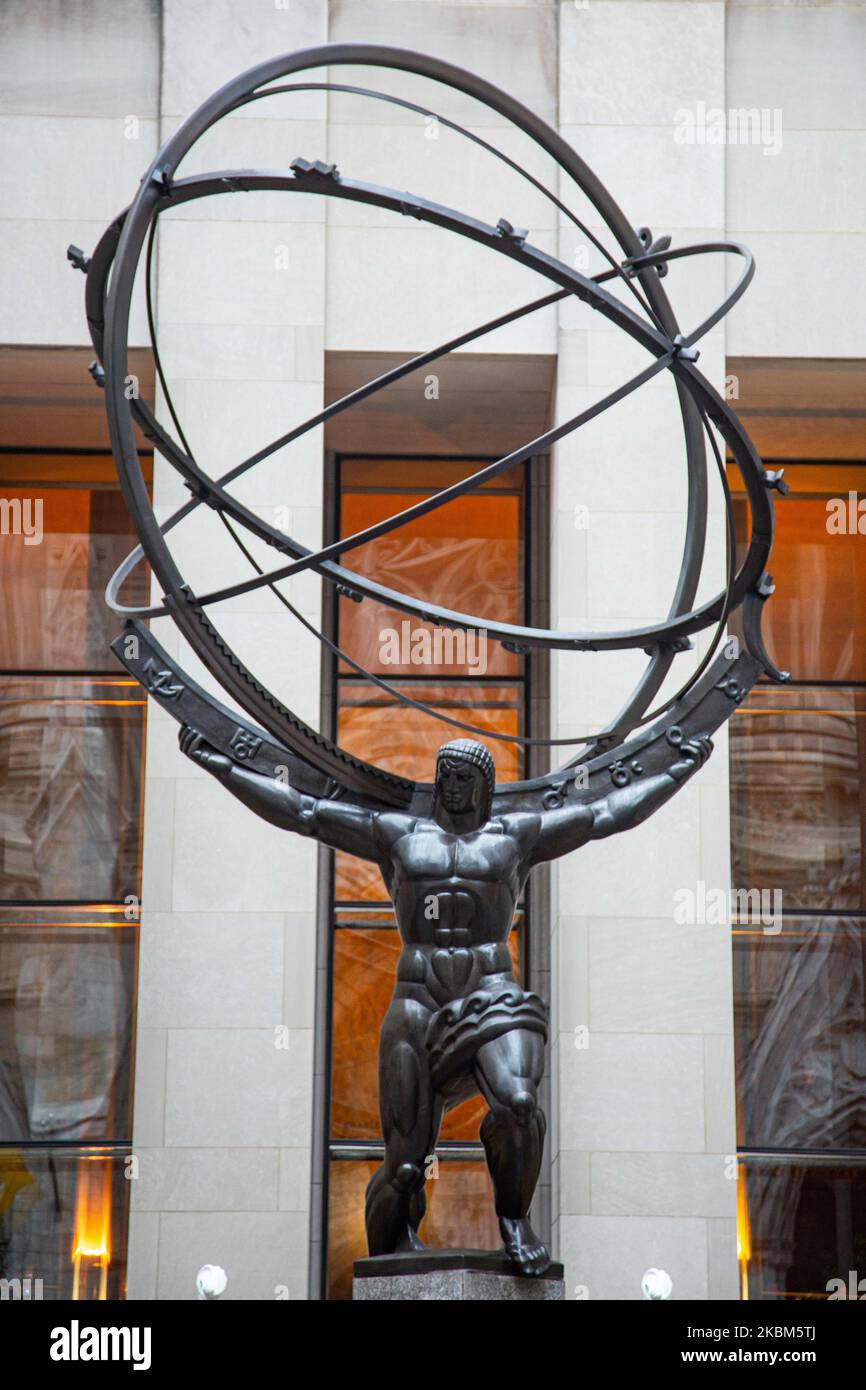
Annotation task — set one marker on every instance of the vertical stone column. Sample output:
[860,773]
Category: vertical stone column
[226,976]
[643,1060]
[794,196]
[78,124]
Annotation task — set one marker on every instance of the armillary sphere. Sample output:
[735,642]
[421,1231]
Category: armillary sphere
[639,739]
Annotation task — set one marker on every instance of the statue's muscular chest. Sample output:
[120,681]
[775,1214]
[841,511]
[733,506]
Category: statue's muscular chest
[431,857]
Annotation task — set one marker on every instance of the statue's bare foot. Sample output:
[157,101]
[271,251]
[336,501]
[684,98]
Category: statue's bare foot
[523,1247]
[410,1241]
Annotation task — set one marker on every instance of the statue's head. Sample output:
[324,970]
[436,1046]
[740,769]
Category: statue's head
[465,779]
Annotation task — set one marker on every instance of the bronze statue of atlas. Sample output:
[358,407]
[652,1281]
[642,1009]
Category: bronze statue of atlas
[459,1023]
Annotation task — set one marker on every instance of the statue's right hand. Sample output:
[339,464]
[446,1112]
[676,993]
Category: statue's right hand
[194,745]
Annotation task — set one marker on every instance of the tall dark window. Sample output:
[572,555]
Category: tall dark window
[798,818]
[71,748]
[471,555]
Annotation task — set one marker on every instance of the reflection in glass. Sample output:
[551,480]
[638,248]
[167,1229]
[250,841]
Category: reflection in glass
[802,1227]
[63,1221]
[460,1214]
[59,620]
[66,1002]
[70,768]
[798,795]
[814,625]
[405,741]
[365,963]
[800,1028]
[798,828]
[466,555]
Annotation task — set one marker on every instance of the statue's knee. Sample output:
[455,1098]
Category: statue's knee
[407,1177]
[524,1106]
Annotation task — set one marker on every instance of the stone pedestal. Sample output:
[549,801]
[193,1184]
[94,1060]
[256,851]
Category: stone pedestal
[457,1276]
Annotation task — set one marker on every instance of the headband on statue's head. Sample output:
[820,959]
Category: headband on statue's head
[468,751]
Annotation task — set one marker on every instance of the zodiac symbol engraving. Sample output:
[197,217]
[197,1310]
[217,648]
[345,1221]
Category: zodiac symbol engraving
[244,745]
[158,681]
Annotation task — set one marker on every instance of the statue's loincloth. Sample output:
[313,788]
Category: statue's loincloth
[459,1029]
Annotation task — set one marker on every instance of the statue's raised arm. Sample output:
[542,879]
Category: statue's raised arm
[342,825]
[568,827]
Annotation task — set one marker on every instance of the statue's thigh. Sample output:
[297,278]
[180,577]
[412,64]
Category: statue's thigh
[406,1102]
[511,1063]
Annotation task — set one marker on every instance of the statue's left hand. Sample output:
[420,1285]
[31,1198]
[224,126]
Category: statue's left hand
[193,744]
[694,755]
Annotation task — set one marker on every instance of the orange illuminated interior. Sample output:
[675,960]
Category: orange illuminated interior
[468,556]
[91,1243]
[465,555]
[812,623]
[59,620]
[744,1237]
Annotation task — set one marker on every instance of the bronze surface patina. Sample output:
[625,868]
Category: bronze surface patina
[459,1024]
